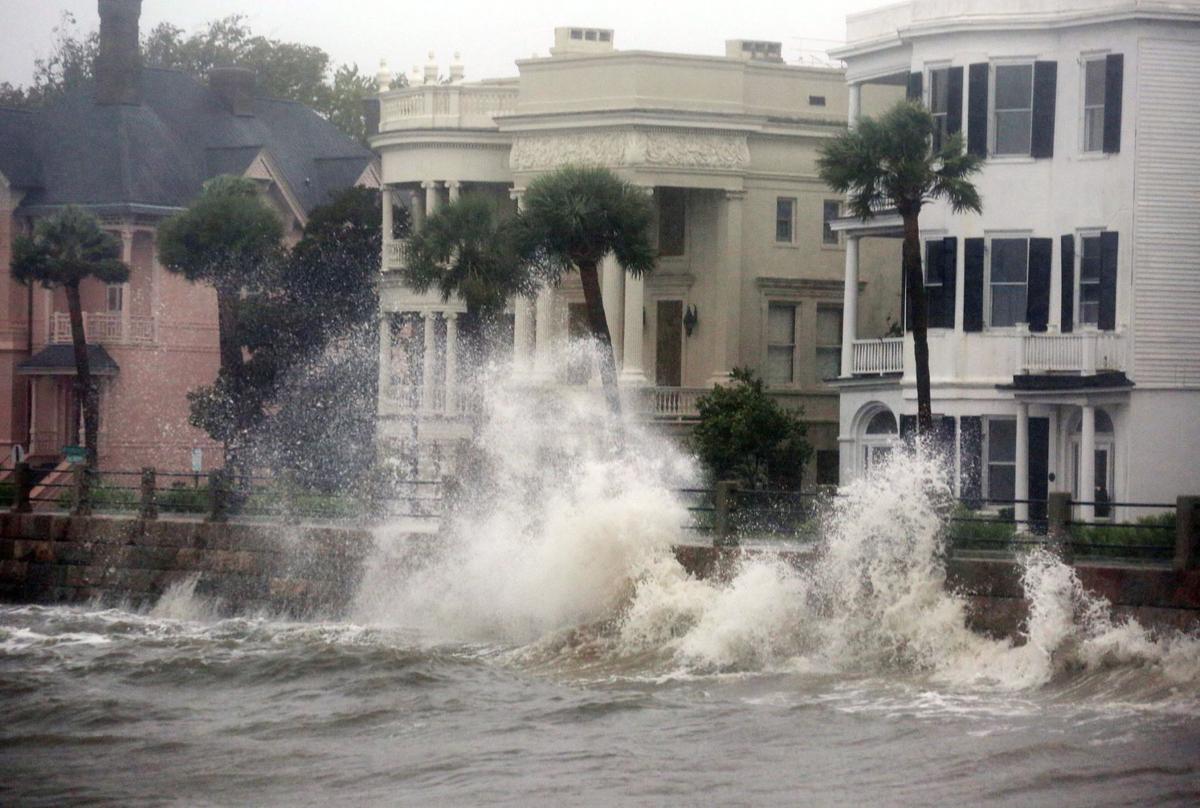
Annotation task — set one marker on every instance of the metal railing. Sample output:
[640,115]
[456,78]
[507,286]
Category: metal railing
[877,357]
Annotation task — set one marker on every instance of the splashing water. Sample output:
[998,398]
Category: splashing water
[565,550]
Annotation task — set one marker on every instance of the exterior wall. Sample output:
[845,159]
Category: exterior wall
[14,347]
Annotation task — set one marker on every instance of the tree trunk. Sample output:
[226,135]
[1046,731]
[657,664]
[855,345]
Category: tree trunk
[85,395]
[590,279]
[918,305]
[232,368]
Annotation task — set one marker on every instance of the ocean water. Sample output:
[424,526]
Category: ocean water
[547,649]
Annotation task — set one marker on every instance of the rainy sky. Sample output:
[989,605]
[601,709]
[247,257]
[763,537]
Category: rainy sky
[489,34]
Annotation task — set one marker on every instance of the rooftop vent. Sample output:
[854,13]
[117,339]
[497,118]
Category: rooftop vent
[754,50]
[574,40]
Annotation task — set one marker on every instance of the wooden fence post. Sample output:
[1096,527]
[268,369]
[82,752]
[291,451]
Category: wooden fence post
[23,479]
[724,497]
[1058,514]
[149,502]
[1187,533]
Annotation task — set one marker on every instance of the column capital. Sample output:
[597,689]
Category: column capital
[733,196]
[516,194]
[453,183]
[430,184]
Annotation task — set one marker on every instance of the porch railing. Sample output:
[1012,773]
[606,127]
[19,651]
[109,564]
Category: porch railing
[1073,353]
[101,328]
[876,357]
[393,255]
[677,403]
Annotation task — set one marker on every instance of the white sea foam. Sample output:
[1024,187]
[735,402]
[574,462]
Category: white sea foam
[563,529]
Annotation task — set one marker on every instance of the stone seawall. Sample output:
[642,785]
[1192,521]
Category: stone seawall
[307,570]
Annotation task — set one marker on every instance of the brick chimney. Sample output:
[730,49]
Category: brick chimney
[234,88]
[118,65]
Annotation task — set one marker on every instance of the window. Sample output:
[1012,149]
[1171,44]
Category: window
[830,211]
[1013,111]
[115,297]
[933,266]
[1009,284]
[672,221]
[785,220]
[939,105]
[781,343]
[827,467]
[1094,74]
[1089,281]
[1001,452]
[829,342]
[878,439]
[816,100]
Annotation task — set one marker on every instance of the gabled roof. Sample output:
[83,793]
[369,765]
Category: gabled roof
[157,155]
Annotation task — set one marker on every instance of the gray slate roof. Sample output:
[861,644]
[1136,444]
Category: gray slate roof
[158,154]
[56,360]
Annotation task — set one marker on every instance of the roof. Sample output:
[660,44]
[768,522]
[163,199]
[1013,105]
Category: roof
[158,154]
[19,161]
[1106,380]
[59,360]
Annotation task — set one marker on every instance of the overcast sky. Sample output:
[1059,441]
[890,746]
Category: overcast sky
[490,34]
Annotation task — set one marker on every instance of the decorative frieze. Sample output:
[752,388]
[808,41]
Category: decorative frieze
[672,149]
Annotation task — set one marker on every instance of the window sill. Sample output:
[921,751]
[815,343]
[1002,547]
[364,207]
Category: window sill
[1012,159]
[839,247]
[786,245]
[1088,157]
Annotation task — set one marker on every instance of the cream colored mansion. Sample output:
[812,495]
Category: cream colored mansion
[749,274]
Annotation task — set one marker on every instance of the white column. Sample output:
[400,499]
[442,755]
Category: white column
[727,316]
[427,366]
[542,359]
[455,189]
[850,306]
[431,197]
[1054,318]
[612,295]
[126,288]
[451,361]
[385,200]
[1021,509]
[632,373]
[1087,464]
[855,103]
[416,210]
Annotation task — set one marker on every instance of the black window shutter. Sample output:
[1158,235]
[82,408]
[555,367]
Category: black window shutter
[1114,86]
[949,279]
[973,284]
[970,458]
[977,109]
[954,100]
[1068,284]
[916,87]
[933,272]
[943,437]
[1108,281]
[1039,469]
[908,428]
[1041,253]
[1045,93]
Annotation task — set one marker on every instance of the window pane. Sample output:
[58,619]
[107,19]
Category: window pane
[779,365]
[829,326]
[882,423]
[933,264]
[783,219]
[1002,484]
[781,324]
[1002,440]
[830,210]
[1093,129]
[1010,260]
[1014,87]
[1008,305]
[939,93]
[1013,132]
[1094,84]
[1089,262]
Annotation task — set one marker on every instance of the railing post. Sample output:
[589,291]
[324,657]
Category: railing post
[1058,515]
[724,497]
[148,508]
[81,491]
[218,496]
[1187,533]
[23,479]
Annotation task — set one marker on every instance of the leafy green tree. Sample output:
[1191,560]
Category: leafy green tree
[743,434]
[66,249]
[230,239]
[468,248]
[572,219]
[887,161]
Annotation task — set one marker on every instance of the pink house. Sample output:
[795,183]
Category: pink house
[135,148]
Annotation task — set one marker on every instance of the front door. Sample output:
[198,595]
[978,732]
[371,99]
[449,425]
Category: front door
[668,337]
[1101,491]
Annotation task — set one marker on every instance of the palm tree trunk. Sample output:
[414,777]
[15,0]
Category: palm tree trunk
[85,396]
[590,279]
[918,305]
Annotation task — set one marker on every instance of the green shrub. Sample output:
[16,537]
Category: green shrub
[1147,538]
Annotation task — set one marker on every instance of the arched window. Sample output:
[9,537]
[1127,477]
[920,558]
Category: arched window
[882,423]
[878,438]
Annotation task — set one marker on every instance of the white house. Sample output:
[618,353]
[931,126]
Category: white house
[1065,320]
[749,273]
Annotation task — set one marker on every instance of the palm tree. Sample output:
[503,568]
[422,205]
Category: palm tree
[573,218]
[887,161]
[64,250]
[467,248]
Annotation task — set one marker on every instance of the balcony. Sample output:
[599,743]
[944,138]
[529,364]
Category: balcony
[671,403]
[877,357]
[103,328]
[447,106]
[1083,353]
[393,252]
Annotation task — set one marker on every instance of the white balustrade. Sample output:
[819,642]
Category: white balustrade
[1072,353]
[394,250]
[674,402]
[102,328]
[876,357]
[454,105]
